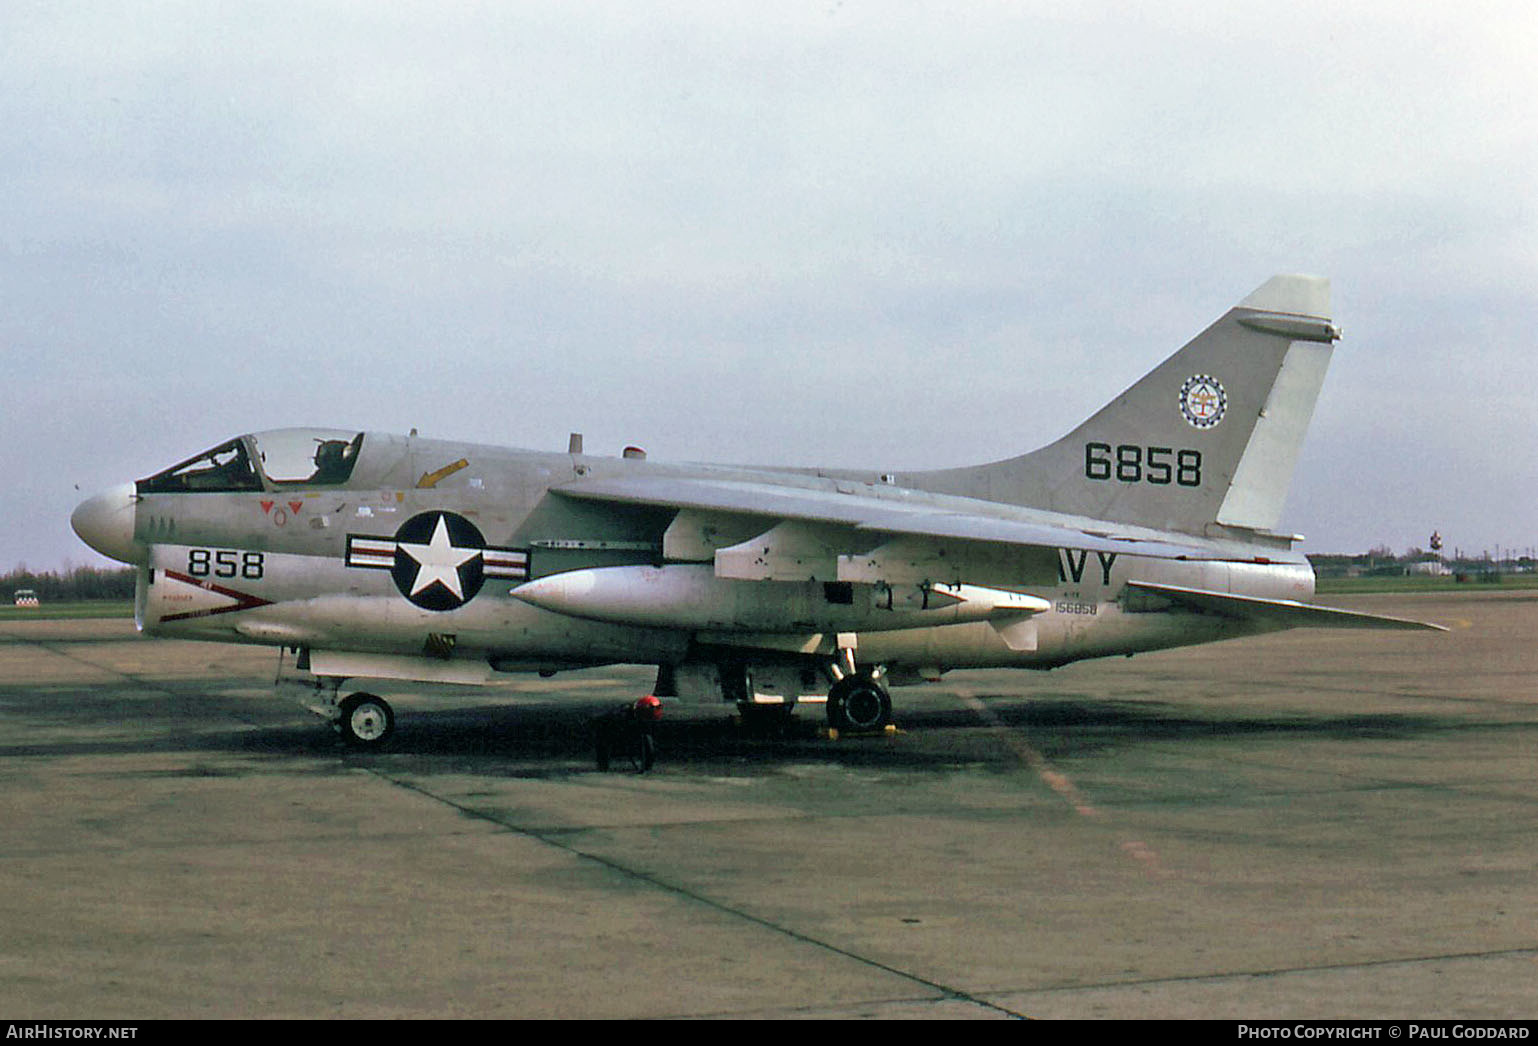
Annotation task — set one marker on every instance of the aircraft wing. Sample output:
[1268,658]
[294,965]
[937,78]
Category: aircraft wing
[1283,613]
[896,516]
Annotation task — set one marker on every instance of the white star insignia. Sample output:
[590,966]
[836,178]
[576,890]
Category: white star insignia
[439,561]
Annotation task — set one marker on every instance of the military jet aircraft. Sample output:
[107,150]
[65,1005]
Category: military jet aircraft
[376,556]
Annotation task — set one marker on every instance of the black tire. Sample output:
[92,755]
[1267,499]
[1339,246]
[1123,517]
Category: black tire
[859,704]
[367,721]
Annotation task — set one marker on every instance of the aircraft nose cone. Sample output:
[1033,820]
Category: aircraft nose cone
[106,523]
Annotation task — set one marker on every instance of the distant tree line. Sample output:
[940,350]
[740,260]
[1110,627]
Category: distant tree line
[73,583]
[1381,561]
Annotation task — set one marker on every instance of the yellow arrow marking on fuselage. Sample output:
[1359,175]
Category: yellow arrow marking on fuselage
[430,479]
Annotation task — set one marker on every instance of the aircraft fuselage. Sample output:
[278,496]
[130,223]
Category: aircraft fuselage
[316,567]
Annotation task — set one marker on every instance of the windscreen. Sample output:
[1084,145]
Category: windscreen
[226,467]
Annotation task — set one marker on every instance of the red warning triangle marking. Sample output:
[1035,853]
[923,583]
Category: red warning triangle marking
[294,506]
[243,600]
[267,506]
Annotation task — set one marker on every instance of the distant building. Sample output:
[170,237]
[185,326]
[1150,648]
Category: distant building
[1432,567]
[26,597]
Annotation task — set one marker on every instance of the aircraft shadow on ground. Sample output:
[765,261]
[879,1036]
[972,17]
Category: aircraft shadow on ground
[555,738]
[525,737]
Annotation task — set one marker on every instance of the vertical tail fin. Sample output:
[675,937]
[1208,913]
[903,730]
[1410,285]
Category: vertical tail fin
[1210,436]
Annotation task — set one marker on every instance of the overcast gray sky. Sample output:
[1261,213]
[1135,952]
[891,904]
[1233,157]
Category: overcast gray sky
[838,233]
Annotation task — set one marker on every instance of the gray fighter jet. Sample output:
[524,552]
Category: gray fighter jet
[376,556]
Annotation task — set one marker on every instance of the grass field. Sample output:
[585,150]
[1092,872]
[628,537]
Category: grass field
[1421,583]
[83,608]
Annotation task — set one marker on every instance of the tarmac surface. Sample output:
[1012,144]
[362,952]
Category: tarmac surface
[1305,825]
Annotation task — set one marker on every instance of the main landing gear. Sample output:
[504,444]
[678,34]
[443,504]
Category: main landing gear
[859,703]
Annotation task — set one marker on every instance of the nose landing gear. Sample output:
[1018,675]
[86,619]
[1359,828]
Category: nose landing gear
[366,721]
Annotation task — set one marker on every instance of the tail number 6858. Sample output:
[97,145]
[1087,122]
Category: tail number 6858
[1130,463]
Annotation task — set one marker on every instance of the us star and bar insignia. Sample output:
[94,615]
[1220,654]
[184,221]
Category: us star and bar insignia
[438,560]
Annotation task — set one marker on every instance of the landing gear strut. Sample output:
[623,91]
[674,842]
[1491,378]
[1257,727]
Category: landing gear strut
[859,703]
[366,722]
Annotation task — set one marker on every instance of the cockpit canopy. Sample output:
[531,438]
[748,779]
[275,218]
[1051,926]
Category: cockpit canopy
[279,458]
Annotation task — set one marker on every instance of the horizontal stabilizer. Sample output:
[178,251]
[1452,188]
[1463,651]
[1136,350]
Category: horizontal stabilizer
[1282,613]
